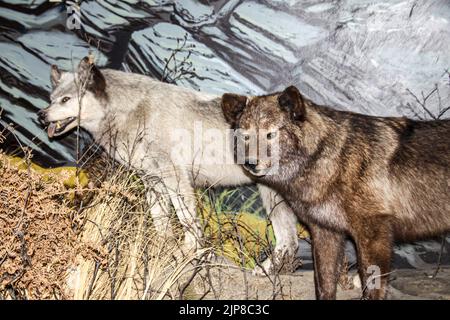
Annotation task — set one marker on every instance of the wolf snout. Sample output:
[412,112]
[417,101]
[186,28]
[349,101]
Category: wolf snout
[251,165]
[257,168]
[42,116]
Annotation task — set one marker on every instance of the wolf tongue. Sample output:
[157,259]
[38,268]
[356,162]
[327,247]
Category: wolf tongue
[51,129]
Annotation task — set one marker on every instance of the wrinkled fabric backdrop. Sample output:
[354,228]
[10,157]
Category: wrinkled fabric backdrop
[374,57]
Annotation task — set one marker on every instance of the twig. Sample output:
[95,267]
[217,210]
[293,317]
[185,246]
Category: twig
[438,267]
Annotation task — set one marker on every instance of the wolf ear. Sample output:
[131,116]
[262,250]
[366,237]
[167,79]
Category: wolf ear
[91,76]
[232,107]
[55,75]
[292,101]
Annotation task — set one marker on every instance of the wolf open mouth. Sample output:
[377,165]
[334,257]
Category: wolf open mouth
[57,127]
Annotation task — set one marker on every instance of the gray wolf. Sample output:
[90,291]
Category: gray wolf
[136,119]
[376,180]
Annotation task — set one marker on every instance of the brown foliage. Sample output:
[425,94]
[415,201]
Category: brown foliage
[37,238]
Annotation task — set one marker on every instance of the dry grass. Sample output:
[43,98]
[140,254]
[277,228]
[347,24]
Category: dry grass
[51,249]
[135,263]
[58,245]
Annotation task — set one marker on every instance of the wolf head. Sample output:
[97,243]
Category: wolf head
[277,116]
[76,98]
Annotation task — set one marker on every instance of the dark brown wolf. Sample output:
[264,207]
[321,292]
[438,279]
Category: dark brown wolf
[376,180]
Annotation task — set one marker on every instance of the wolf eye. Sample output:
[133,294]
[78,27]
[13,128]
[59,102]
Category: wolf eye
[271,135]
[65,99]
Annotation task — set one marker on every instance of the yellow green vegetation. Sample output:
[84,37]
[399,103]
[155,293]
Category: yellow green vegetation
[68,175]
[242,237]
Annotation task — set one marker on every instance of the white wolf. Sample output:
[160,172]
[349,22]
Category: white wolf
[136,119]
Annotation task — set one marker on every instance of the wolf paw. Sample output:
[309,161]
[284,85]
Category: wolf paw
[263,269]
[287,265]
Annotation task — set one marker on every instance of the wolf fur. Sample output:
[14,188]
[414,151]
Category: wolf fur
[376,180]
[133,117]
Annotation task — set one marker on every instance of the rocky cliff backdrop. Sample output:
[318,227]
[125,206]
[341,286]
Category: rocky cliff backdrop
[386,58]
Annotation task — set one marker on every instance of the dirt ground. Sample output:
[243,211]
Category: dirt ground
[417,284]
[404,285]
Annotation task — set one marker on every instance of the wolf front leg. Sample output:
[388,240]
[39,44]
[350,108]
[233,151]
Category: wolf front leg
[328,253]
[374,238]
[284,222]
[182,196]
[159,206]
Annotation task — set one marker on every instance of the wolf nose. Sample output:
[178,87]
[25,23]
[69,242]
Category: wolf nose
[42,116]
[250,165]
